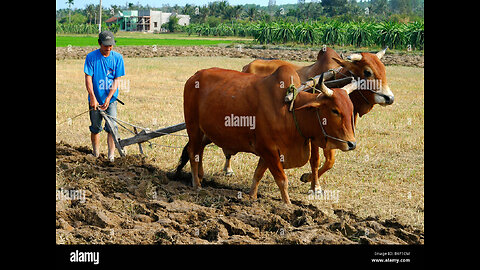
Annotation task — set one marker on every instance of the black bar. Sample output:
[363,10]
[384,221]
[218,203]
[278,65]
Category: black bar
[124,256]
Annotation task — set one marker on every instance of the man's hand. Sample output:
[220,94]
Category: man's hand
[93,102]
[113,88]
[105,105]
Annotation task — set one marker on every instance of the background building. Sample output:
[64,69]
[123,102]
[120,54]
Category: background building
[144,20]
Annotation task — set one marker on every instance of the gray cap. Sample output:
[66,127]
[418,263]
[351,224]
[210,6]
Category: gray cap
[106,37]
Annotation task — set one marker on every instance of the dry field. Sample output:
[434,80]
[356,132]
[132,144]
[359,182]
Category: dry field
[381,181]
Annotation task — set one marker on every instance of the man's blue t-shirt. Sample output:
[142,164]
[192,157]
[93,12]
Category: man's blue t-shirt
[103,71]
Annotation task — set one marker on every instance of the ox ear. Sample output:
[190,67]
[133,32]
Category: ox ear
[346,64]
[312,104]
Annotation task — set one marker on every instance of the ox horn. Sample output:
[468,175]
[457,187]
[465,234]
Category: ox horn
[350,87]
[381,53]
[355,57]
[324,89]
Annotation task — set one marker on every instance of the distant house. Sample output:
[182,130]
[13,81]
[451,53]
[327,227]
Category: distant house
[144,20]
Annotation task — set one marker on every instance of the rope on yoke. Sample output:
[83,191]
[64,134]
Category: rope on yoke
[293,90]
[314,87]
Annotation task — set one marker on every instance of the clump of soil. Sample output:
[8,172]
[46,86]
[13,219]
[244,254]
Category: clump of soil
[131,201]
[306,55]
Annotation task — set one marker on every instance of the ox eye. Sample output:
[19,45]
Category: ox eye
[367,73]
[335,112]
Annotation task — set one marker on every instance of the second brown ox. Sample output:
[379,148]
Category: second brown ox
[214,97]
[365,67]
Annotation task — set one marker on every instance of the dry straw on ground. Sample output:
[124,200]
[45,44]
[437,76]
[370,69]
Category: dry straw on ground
[383,177]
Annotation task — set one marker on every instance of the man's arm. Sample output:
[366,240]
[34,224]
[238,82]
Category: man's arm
[89,86]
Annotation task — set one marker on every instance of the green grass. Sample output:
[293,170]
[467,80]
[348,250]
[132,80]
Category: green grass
[81,41]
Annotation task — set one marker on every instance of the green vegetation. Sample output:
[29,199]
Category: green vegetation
[333,32]
[82,28]
[398,24]
[64,41]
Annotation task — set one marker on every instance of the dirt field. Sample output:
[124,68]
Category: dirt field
[134,202]
[379,185]
[237,52]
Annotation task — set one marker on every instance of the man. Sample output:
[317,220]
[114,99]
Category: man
[103,68]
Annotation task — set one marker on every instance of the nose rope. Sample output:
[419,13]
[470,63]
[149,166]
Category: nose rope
[337,70]
[293,89]
[331,137]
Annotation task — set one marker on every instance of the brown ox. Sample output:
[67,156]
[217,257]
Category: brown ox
[214,97]
[364,67]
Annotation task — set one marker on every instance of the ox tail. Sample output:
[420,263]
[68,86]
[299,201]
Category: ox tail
[184,158]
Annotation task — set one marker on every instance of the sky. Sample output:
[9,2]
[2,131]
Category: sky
[158,3]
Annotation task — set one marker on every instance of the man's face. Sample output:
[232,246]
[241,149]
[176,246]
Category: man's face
[105,50]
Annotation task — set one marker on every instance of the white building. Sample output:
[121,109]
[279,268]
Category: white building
[145,20]
[157,18]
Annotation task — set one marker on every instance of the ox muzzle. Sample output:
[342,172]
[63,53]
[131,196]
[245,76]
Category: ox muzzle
[385,96]
[351,145]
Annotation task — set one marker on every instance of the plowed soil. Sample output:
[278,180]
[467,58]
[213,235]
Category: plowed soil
[400,59]
[131,201]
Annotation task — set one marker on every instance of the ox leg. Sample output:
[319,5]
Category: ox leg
[195,150]
[257,176]
[276,169]
[205,142]
[227,169]
[314,164]
[327,165]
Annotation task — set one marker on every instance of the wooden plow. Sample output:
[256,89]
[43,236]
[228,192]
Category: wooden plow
[139,137]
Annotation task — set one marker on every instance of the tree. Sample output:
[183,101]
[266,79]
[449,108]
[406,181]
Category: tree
[380,7]
[309,11]
[232,12]
[237,11]
[252,12]
[90,12]
[188,10]
[401,6]
[70,3]
[172,23]
[335,7]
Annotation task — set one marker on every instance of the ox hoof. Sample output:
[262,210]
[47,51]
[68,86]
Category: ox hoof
[228,172]
[305,177]
[197,187]
[318,189]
